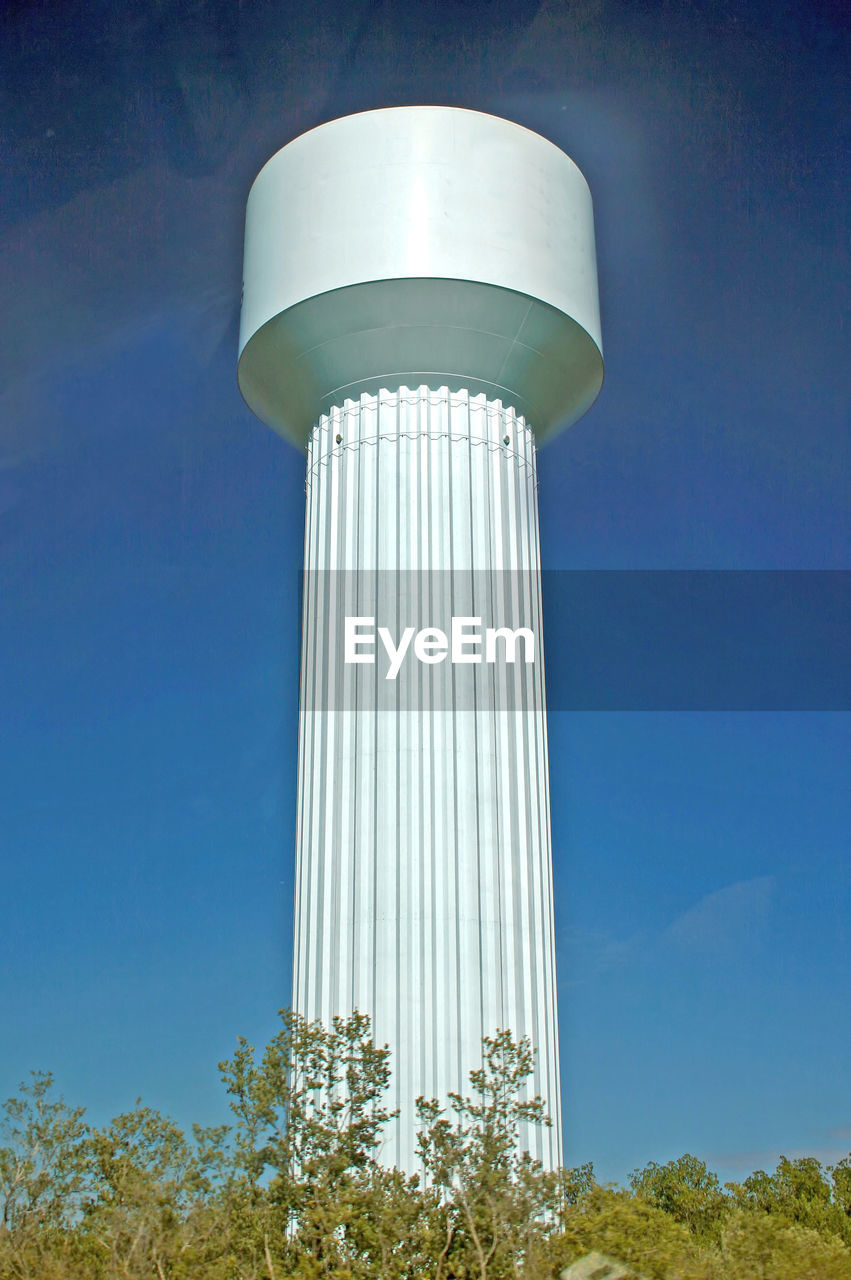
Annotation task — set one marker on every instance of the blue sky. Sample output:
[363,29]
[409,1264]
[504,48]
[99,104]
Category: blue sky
[150,539]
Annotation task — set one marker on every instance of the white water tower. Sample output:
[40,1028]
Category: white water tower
[420,314]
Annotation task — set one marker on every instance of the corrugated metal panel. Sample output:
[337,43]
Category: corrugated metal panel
[423,869]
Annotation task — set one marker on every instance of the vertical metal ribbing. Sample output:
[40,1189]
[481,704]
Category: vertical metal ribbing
[423,864]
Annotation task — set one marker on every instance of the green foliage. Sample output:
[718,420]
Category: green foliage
[496,1202]
[293,1190]
[758,1246]
[840,1176]
[801,1192]
[42,1157]
[43,1178]
[576,1183]
[627,1227]
[147,1200]
[313,1102]
[309,1117]
[687,1191]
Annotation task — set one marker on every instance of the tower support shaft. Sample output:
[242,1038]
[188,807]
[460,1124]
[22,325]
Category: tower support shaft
[423,865]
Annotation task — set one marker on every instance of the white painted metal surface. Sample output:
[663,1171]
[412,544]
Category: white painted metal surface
[419,244]
[423,872]
[421,283]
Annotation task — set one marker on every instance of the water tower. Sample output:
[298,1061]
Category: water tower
[420,314]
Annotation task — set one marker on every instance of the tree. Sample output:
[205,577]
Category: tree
[294,1191]
[43,1174]
[840,1177]
[498,1204]
[615,1223]
[759,1246]
[309,1116]
[686,1190]
[801,1191]
[575,1184]
[152,1204]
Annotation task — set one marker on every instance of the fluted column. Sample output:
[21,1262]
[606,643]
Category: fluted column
[423,864]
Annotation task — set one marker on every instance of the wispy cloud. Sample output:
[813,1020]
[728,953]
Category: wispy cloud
[585,954]
[720,922]
[726,917]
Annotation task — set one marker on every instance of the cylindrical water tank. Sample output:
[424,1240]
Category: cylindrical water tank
[419,245]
